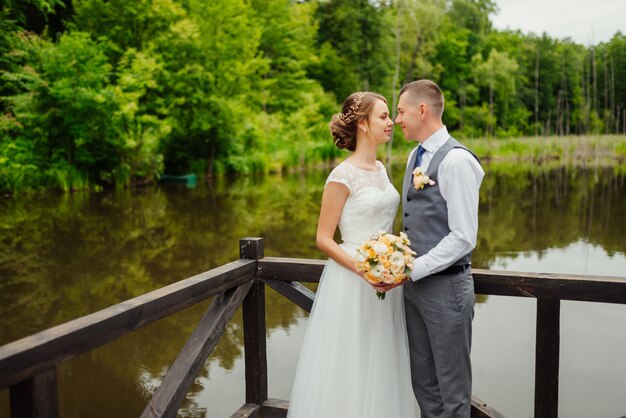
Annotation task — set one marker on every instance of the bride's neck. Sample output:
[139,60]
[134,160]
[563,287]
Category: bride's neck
[365,154]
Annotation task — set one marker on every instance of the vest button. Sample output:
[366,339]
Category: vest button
[406,215]
[406,229]
[408,199]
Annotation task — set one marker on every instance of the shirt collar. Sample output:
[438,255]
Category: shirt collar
[436,140]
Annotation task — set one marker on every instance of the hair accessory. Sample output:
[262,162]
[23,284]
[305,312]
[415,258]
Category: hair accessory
[351,112]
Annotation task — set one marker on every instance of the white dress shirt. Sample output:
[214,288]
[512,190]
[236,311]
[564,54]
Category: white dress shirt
[459,177]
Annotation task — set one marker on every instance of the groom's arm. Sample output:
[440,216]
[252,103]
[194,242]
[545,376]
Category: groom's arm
[459,180]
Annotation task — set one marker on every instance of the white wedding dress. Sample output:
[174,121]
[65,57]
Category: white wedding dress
[354,361]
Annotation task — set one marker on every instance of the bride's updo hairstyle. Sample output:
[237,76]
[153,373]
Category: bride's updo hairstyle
[356,107]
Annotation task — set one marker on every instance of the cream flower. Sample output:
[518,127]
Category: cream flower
[377,271]
[380,248]
[395,240]
[387,276]
[420,179]
[397,269]
[397,258]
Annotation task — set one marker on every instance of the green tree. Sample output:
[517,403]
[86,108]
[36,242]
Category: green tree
[141,128]
[473,16]
[421,24]
[497,75]
[210,83]
[37,15]
[291,97]
[65,110]
[126,24]
[358,32]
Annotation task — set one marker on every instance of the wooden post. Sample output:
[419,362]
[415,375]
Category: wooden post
[36,397]
[254,328]
[547,358]
[251,248]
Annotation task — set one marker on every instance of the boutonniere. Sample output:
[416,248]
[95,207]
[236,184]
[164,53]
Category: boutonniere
[420,179]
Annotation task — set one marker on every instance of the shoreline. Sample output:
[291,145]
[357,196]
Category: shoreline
[532,152]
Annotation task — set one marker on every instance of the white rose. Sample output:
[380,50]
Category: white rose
[387,277]
[377,271]
[380,248]
[360,257]
[397,269]
[397,258]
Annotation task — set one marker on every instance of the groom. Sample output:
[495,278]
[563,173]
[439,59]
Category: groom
[441,220]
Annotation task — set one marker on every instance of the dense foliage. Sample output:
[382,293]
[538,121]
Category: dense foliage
[111,92]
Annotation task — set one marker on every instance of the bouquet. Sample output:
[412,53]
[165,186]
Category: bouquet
[385,258]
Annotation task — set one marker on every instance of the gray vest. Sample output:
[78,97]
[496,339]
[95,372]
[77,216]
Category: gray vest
[425,213]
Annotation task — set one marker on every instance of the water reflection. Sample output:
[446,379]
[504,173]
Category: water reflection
[538,210]
[64,256]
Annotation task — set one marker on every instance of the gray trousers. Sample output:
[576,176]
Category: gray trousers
[439,312]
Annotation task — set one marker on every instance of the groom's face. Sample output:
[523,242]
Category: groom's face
[409,117]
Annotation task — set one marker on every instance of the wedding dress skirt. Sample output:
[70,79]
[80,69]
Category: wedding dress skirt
[354,361]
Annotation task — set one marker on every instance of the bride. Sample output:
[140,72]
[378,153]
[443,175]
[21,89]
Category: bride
[354,361]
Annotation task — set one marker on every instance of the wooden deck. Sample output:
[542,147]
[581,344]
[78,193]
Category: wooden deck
[28,366]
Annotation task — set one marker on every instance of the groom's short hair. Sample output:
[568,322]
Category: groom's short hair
[427,91]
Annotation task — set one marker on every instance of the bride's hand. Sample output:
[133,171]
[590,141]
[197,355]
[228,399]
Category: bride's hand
[383,287]
[361,273]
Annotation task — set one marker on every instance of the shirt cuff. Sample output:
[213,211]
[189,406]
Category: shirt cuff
[419,270]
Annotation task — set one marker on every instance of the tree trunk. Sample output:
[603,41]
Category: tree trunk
[212,152]
[537,94]
[562,98]
[605,112]
[490,126]
[559,114]
[565,88]
[614,113]
[394,84]
[583,105]
[463,103]
[595,80]
[414,55]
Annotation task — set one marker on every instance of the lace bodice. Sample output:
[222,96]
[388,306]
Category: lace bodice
[371,205]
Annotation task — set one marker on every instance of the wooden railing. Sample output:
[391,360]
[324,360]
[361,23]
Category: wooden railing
[28,366]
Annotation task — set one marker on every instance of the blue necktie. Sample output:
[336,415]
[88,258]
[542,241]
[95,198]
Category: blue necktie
[420,151]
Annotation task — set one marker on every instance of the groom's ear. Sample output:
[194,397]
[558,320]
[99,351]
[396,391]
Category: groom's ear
[422,109]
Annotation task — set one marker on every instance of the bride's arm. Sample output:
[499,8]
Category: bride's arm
[333,200]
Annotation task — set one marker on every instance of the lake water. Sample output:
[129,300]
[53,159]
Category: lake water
[64,256]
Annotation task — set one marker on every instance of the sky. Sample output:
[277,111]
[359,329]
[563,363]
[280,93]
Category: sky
[587,22]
